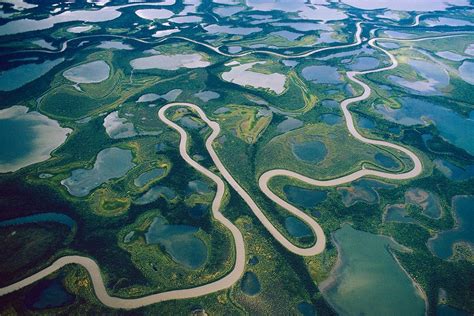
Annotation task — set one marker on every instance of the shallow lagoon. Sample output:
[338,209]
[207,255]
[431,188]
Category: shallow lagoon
[15,78]
[289,124]
[307,198]
[154,194]
[386,161]
[364,63]
[297,228]
[242,75]
[435,77]
[93,72]
[331,119]
[398,213]
[169,96]
[170,62]
[311,151]
[367,279]
[147,176]
[426,200]
[29,136]
[442,244]
[206,96]
[216,29]
[364,190]
[452,126]
[406,5]
[466,71]
[154,14]
[453,171]
[250,284]
[48,294]
[322,74]
[179,241]
[117,127]
[198,186]
[110,163]
[79,29]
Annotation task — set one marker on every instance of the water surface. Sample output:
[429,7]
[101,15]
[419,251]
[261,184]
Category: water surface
[179,242]
[310,151]
[111,163]
[463,211]
[15,78]
[368,280]
[27,138]
[93,72]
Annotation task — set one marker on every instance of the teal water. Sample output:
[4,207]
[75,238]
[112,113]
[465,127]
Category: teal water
[453,171]
[198,210]
[397,213]
[368,280]
[446,310]
[364,63]
[198,186]
[365,122]
[453,127]
[289,124]
[364,190]
[331,119]
[322,74]
[27,138]
[297,228]
[250,284]
[307,198]
[466,72]
[306,309]
[428,201]
[48,294]
[40,218]
[179,241]
[110,163]
[311,151]
[463,210]
[154,194]
[147,176]
[15,78]
[386,161]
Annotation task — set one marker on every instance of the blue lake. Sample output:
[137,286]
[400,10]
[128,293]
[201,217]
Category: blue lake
[463,209]
[179,241]
[453,127]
